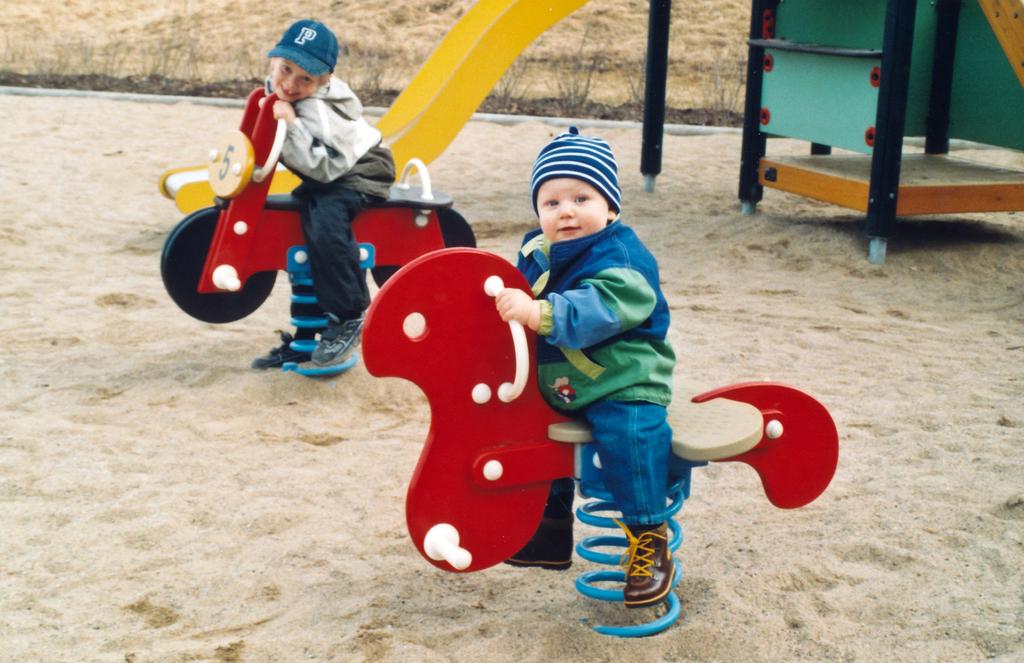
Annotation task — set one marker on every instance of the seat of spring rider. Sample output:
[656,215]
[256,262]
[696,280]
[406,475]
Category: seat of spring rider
[712,430]
[397,197]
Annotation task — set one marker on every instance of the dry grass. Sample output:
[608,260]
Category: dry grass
[596,54]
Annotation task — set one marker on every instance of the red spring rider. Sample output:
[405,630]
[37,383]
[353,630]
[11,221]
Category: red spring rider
[494,445]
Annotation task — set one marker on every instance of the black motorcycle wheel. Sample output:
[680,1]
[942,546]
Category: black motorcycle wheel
[181,265]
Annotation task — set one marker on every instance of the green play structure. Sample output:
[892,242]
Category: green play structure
[861,75]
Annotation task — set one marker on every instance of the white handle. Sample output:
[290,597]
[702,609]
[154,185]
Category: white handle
[260,174]
[421,168]
[442,542]
[509,391]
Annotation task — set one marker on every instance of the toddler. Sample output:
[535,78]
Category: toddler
[602,352]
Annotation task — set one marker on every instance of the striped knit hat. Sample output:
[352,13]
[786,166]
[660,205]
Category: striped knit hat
[585,158]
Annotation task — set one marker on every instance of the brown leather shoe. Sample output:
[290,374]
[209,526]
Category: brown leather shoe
[649,568]
[549,548]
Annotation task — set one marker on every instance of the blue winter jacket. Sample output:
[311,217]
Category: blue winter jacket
[604,319]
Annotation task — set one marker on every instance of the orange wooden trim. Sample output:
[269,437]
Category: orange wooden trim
[950,199]
[1006,17]
[852,192]
[849,193]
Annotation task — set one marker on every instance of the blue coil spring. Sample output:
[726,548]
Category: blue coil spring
[301,279]
[586,583]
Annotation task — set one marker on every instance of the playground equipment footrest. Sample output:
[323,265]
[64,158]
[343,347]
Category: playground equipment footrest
[314,371]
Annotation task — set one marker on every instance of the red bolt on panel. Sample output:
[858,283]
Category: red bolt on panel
[876,76]
[768,24]
[769,62]
[869,136]
[766,116]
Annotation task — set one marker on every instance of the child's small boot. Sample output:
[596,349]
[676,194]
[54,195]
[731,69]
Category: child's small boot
[550,547]
[649,566]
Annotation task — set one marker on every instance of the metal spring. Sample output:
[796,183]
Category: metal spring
[301,278]
[587,549]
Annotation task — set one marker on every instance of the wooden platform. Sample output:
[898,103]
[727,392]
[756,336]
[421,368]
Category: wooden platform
[929,183]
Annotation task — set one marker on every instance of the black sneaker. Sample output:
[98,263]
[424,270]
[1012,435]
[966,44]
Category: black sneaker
[280,355]
[337,341]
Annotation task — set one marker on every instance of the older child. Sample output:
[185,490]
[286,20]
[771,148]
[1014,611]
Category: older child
[602,352]
[343,166]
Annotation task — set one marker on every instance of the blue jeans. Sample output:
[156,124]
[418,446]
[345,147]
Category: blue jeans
[634,442]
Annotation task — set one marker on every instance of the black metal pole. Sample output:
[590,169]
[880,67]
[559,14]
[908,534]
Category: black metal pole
[897,44]
[659,20]
[937,124]
[754,142]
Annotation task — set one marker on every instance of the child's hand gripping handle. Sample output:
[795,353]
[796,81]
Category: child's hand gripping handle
[509,391]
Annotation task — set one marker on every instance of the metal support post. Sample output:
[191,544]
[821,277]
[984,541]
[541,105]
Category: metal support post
[655,80]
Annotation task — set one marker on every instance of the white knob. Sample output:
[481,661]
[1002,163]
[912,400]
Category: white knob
[597,461]
[422,220]
[414,326]
[493,285]
[241,227]
[213,155]
[226,278]
[493,470]
[236,169]
[364,255]
[442,543]
[301,257]
[773,429]
[481,394]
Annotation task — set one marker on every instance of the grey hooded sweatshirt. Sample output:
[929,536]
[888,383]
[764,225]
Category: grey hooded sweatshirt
[330,141]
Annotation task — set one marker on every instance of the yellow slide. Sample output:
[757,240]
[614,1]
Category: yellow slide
[438,68]
[487,56]
[441,98]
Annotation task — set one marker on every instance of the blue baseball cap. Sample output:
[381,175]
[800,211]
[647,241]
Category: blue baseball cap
[309,44]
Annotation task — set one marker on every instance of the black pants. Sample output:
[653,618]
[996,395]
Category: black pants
[327,212]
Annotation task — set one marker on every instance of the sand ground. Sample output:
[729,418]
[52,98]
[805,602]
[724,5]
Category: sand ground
[159,501]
